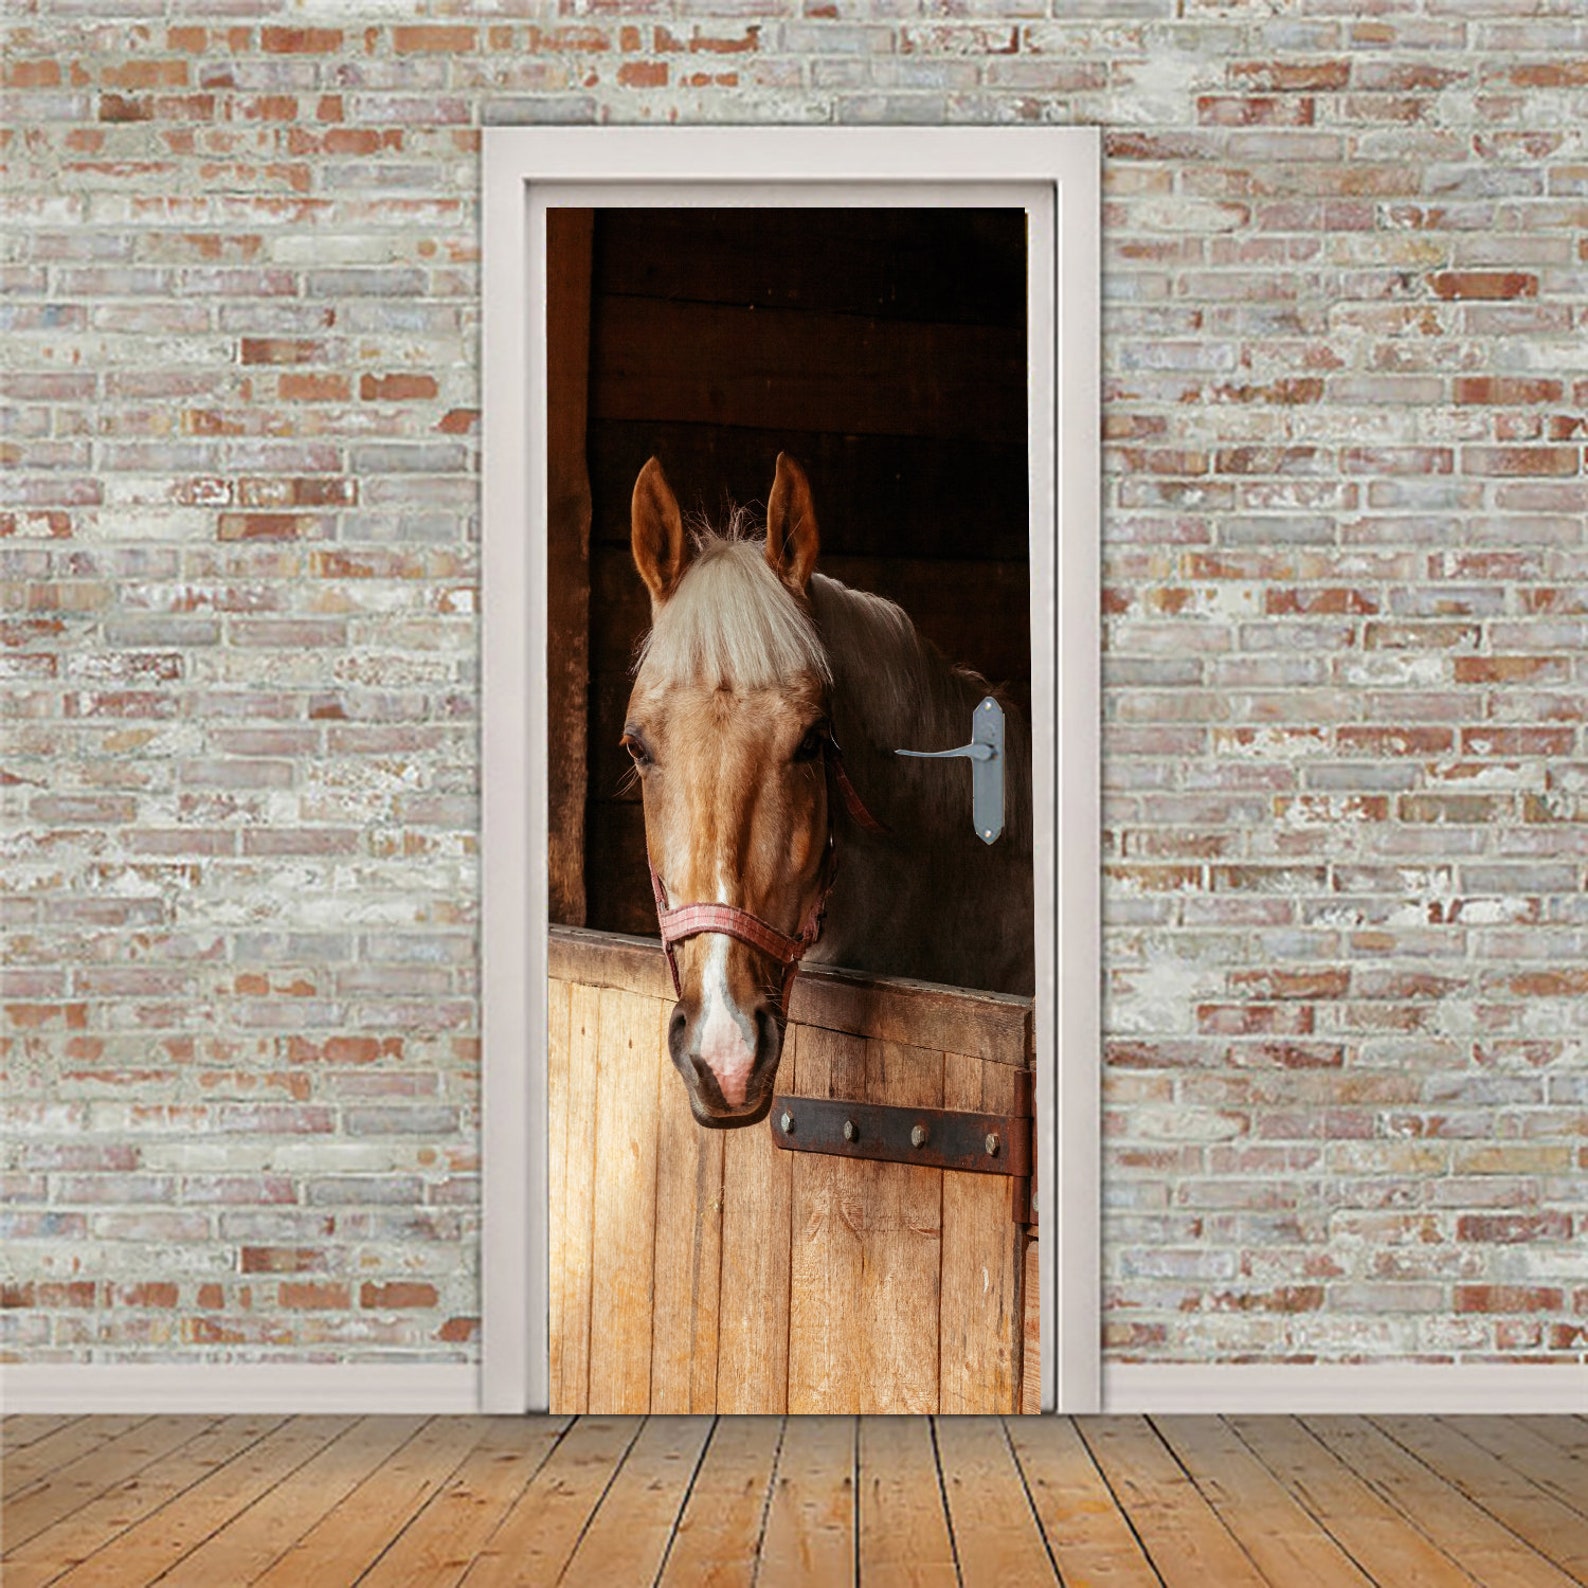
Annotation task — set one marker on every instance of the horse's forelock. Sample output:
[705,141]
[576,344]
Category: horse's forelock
[732,623]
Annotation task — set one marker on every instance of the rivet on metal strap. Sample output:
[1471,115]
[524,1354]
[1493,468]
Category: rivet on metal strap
[918,1136]
[849,1130]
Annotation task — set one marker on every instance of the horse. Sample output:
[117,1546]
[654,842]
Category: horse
[767,704]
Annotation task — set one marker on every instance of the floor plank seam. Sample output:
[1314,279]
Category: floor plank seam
[1460,1489]
[1031,1503]
[1119,1504]
[683,1504]
[1300,1498]
[766,1506]
[942,1494]
[606,1488]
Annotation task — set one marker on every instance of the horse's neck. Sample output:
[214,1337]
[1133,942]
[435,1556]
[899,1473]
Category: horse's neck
[894,691]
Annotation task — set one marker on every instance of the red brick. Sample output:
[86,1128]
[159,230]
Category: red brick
[643,74]
[1500,390]
[1292,76]
[282,350]
[396,388]
[397,1293]
[312,1295]
[1508,1298]
[300,41]
[434,40]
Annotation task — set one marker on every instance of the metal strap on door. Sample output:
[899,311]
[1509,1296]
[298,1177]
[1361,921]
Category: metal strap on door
[931,1138]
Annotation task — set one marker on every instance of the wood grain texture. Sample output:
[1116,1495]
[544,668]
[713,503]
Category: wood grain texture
[1556,1530]
[62,1446]
[337,1550]
[901,1246]
[539,1533]
[1188,1542]
[441,1543]
[627,1540]
[810,1526]
[1375,1534]
[719,1534]
[1282,1540]
[250,1543]
[696,1502]
[633,1034]
[1451,1521]
[560,1314]
[827,1260]
[688,1259]
[158,1542]
[572,1240]
[83,1532]
[753,1309]
[903,1528]
[984,1276]
[1090,1539]
[995,1533]
[1525,1445]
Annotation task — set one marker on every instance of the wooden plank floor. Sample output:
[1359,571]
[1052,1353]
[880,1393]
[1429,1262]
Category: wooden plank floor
[700,1502]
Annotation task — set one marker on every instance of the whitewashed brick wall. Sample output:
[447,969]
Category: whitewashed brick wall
[1346,254]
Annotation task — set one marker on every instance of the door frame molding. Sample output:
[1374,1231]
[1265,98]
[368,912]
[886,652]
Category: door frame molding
[1054,173]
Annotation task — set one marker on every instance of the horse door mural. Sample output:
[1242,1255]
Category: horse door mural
[791,1027]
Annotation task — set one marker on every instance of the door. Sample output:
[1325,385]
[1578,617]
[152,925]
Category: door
[714,1271]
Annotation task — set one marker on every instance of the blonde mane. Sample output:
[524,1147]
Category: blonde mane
[731,623]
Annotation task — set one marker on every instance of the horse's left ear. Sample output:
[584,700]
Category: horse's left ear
[792,539]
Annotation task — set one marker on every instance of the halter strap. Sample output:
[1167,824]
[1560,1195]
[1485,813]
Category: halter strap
[690,920]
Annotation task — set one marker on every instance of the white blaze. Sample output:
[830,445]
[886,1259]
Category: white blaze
[727,1038]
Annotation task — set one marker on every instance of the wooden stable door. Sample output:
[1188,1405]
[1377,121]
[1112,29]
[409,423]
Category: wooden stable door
[697,1270]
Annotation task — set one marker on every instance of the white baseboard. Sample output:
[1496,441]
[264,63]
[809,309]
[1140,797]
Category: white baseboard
[296,1387]
[1428,1388]
[1128,1387]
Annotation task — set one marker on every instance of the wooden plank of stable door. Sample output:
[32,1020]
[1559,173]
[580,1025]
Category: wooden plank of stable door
[827,1194]
[982,1308]
[573,1236]
[1285,1542]
[810,1525]
[903,1527]
[1542,1520]
[628,1536]
[1086,1531]
[156,1543]
[1373,1533]
[719,1534]
[557,1059]
[1467,1533]
[753,1310]
[625,1203]
[1184,1538]
[77,1537]
[688,1257]
[901,1246]
[338,1549]
[995,1534]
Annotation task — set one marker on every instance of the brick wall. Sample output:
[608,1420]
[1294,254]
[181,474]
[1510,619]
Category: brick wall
[1347,597]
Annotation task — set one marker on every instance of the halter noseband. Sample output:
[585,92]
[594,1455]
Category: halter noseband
[690,920]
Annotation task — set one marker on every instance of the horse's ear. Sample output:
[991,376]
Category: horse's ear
[657,533]
[792,539]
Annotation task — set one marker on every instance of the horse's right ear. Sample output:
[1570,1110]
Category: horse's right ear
[657,533]
[792,538]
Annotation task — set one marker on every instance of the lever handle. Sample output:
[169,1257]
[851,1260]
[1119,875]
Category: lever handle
[985,753]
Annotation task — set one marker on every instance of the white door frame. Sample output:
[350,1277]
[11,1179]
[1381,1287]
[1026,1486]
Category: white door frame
[1054,173]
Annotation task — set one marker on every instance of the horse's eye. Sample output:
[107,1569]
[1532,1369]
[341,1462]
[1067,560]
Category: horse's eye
[637,748]
[811,745]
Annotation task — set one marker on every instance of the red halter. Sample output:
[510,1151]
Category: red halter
[690,920]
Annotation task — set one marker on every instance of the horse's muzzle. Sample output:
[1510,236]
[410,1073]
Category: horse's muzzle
[706,1100]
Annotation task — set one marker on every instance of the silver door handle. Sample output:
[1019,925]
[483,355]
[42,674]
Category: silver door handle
[985,752]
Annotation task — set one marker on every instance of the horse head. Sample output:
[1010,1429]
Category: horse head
[727,726]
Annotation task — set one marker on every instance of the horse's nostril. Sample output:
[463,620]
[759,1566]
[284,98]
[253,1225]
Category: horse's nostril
[675,1026]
